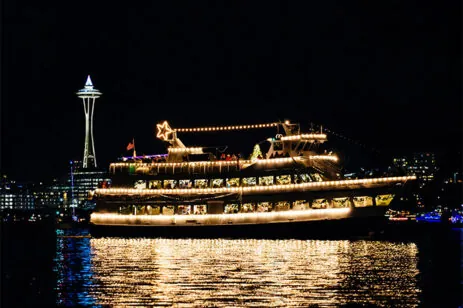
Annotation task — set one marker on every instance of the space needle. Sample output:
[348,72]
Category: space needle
[88,95]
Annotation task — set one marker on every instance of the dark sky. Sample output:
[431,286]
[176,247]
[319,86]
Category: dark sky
[386,75]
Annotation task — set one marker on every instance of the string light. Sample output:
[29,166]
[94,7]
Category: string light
[324,157]
[193,150]
[220,219]
[164,131]
[227,162]
[257,188]
[224,128]
[304,136]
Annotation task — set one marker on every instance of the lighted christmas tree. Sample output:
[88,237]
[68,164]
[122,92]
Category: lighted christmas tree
[256,153]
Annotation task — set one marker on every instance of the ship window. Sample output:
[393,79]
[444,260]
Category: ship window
[282,206]
[384,200]
[300,205]
[185,184]
[303,178]
[264,207]
[249,181]
[140,210]
[233,182]
[140,184]
[231,208]
[317,177]
[168,210]
[201,183]
[266,180]
[247,207]
[170,183]
[125,210]
[363,201]
[155,184]
[200,209]
[141,169]
[341,202]
[184,209]
[217,183]
[320,204]
[283,179]
[153,210]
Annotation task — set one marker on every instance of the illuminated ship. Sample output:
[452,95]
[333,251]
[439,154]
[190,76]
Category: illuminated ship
[195,190]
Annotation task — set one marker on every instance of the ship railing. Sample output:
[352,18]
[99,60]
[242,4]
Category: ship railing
[210,166]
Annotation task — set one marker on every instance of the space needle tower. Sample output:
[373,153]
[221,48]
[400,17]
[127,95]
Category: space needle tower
[89,95]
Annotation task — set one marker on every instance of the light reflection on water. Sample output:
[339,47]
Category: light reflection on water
[226,272]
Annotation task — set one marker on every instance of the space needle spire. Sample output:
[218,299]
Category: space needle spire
[88,95]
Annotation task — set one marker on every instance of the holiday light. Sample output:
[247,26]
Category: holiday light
[164,131]
[224,128]
[257,188]
[221,219]
[324,157]
[191,150]
[304,136]
[224,162]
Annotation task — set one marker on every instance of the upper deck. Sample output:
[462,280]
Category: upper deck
[288,149]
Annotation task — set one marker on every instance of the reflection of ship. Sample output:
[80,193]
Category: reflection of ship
[292,183]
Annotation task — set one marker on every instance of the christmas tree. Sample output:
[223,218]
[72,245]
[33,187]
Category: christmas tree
[256,153]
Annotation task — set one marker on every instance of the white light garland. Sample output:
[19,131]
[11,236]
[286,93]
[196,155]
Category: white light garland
[258,188]
[192,150]
[228,162]
[324,157]
[224,128]
[220,219]
[304,136]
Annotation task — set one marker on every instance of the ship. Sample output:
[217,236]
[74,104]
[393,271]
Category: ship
[294,187]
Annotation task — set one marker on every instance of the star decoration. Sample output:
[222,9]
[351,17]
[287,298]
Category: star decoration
[164,131]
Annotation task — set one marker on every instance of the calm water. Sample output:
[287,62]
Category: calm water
[48,268]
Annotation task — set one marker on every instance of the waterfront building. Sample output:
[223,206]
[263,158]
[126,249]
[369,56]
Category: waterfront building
[53,195]
[82,181]
[15,196]
[423,165]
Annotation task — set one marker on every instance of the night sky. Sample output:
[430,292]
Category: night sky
[387,76]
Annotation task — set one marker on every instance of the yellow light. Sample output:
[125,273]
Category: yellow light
[220,219]
[277,187]
[163,131]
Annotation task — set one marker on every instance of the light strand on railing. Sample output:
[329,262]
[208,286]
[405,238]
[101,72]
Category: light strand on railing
[224,128]
[227,162]
[236,218]
[257,188]
[192,150]
[324,157]
[304,136]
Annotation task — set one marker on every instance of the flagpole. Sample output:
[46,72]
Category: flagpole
[134,151]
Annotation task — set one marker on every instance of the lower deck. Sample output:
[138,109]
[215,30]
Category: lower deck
[356,222]
[236,212]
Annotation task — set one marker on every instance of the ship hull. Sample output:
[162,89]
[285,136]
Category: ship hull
[358,222]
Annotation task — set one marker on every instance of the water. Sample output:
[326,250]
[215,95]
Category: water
[47,268]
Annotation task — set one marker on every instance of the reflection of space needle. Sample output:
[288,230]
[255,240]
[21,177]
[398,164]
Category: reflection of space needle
[164,131]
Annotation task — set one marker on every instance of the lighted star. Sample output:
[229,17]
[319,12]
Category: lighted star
[163,131]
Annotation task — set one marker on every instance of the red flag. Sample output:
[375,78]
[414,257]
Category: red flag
[130,146]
